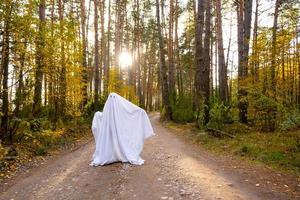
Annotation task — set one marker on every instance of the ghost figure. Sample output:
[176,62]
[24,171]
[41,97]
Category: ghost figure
[119,132]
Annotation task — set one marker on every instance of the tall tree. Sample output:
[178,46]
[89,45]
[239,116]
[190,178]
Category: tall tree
[63,74]
[255,65]
[298,61]
[273,51]
[103,50]
[178,66]
[138,56]
[199,56]
[84,53]
[221,59]
[171,76]
[205,72]
[40,63]
[163,66]
[19,92]
[244,13]
[107,58]
[96,58]
[120,10]
[4,67]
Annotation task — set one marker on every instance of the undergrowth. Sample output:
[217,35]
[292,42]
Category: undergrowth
[279,150]
[30,142]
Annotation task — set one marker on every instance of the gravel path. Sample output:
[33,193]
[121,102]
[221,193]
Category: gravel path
[174,169]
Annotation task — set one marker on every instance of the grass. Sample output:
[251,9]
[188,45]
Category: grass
[280,150]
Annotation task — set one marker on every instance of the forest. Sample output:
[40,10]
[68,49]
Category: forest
[212,64]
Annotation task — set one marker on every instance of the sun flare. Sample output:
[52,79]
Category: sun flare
[125,59]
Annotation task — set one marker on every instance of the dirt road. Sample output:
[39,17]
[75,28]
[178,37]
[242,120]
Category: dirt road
[174,169]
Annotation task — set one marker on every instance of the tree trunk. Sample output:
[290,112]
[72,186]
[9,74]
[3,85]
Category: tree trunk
[163,67]
[240,33]
[255,65]
[89,57]
[298,61]
[107,60]
[117,34]
[172,82]
[221,60]
[177,53]
[52,92]
[138,57]
[199,57]
[84,54]
[19,92]
[103,49]
[244,11]
[132,78]
[40,64]
[4,67]
[63,78]
[273,53]
[247,31]
[96,58]
[102,43]
[205,72]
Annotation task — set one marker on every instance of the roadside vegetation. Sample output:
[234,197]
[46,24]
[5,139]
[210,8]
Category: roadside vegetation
[35,141]
[279,150]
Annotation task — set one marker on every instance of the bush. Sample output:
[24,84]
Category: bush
[35,125]
[219,114]
[182,109]
[291,121]
[266,110]
[90,108]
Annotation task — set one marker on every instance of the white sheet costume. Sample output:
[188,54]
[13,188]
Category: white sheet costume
[120,132]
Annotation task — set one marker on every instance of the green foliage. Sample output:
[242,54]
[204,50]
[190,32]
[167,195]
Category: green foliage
[35,125]
[291,121]
[200,115]
[272,156]
[40,142]
[39,135]
[245,149]
[219,114]
[90,108]
[252,150]
[27,143]
[40,151]
[248,150]
[278,150]
[182,109]
[266,111]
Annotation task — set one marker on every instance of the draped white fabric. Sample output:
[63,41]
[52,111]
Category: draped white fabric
[120,132]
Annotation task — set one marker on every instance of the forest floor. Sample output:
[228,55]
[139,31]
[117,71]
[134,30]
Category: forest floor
[175,168]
